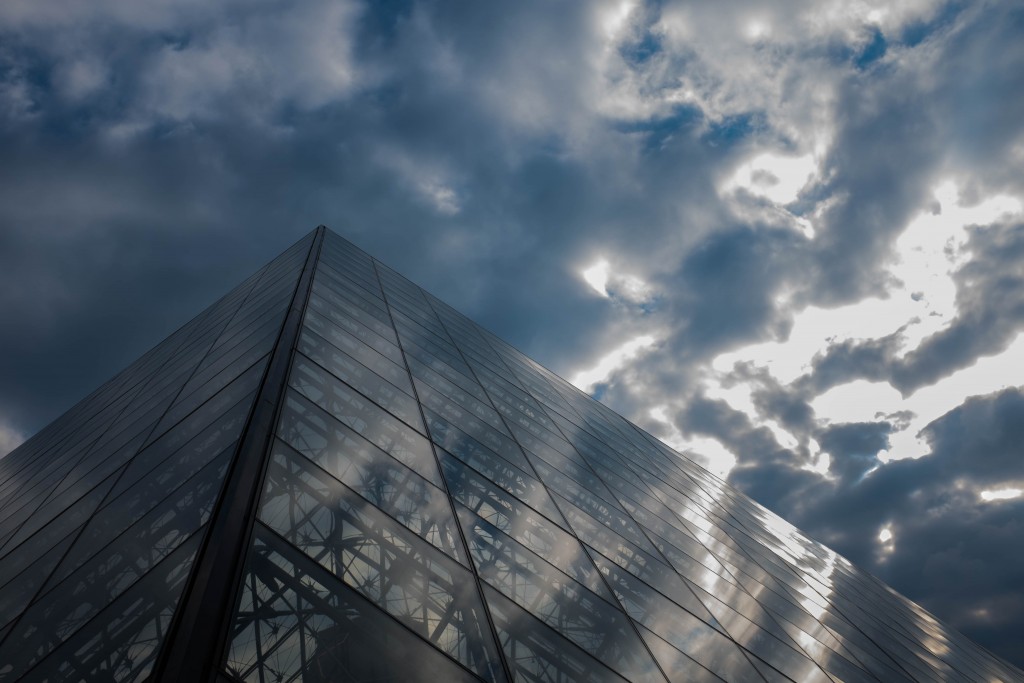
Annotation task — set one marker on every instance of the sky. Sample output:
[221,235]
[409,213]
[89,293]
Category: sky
[785,237]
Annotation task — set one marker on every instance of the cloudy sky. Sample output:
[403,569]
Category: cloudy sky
[788,237]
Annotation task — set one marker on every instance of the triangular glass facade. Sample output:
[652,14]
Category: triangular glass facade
[331,475]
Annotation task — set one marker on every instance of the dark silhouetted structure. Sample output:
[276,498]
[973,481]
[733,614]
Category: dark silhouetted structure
[330,475]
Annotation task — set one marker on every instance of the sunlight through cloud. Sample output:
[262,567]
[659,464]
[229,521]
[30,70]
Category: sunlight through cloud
[587,380]
[773,176]
[597,277]
[990,495]
[715,457]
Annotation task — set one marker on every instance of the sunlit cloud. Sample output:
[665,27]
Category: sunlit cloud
[444,198]
[612,284]
[886,542]
[738,395]
[858,401]
[597,277]
[756,29]
[820,461]
[613,19]
[587,380]
[863,401]
[933,245]
[710,452]
[921,303]
[990,495]
[775,177]
[813,330]
[782,437]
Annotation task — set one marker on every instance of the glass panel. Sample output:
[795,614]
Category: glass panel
[297,623]
[385,562]
[328,326]
[313,432]
[449,398]
[570,555]
[470,426]
[434,378]
[355,410]
[684,631]
[537,653]
[512,479]
[163,522]
[212,434]
[254,361]
[16,594]
[561,602]
[54,532]
[357,350]
[404,495]
[362,379]
[119,643]
[332,305]
[588,525]
[679,667]
[509,514]
[348,276]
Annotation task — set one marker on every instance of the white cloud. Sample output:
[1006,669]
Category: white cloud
[707,451]
[773,176]
[597,276]
[586,380]
[920,304]
[861,401]
[929,251]
[820,461]
[990,495]
[813,330]
[611,283]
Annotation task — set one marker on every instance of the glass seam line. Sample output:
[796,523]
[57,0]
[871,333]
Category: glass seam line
[602,578]
[644,531]
[135,389]
[648,437]
[746,653]
[148,355]
[506,668]
[196,634]
[541,405]
[143,443]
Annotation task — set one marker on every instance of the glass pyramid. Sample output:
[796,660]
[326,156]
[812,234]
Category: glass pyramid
[331,475]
